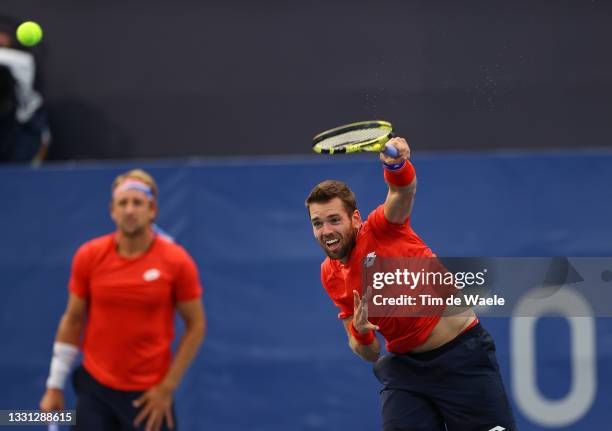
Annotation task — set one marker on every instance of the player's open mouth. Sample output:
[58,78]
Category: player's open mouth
[333,244]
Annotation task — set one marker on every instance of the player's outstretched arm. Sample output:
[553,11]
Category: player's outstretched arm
[401,179]
[360,331]
[65,350]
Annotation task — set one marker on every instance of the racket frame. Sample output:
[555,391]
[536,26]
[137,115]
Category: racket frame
[375,144]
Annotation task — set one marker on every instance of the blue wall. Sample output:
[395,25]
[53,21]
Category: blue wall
[275,357]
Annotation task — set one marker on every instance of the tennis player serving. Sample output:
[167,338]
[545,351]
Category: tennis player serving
[441,372]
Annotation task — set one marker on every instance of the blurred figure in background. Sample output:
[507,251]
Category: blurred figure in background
[125,288]
[24,125]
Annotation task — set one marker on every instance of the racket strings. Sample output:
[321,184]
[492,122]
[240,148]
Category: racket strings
[352,137]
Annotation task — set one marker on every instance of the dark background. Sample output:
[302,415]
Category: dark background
[200,78]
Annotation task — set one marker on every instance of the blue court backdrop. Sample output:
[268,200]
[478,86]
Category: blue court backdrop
[275,356]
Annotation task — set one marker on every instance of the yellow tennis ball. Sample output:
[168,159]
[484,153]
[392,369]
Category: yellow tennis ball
[29,33]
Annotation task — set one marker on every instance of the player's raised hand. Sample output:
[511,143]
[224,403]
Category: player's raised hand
[404,151]
[360,314]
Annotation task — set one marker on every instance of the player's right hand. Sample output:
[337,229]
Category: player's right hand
[360,314]
[401,145]
[52,400]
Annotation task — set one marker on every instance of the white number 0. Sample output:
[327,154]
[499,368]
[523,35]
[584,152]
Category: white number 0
[580,397]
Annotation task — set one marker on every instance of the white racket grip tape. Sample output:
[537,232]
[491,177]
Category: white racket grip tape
[391,151]
[64,355]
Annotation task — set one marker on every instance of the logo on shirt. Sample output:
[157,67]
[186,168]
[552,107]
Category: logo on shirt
[497,428]
[151,274]
[370,258]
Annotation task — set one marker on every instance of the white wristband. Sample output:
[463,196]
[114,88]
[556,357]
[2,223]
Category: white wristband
[64,355]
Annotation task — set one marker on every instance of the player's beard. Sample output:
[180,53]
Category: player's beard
[134,232]
[347,241]
[132,229]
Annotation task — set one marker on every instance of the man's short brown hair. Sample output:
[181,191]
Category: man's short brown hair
[136,174]
[330,189]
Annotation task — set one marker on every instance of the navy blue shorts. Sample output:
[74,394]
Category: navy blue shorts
[100,408]
[456,387]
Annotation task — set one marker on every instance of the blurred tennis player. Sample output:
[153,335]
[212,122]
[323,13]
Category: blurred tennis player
[441,371]
[124,290]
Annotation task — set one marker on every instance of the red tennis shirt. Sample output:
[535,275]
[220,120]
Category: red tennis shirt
[130,309]
[385,239]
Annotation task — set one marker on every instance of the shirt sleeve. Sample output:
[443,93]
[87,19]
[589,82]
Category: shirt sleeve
[336,290]
[383,227]
[80,273]
[187,284]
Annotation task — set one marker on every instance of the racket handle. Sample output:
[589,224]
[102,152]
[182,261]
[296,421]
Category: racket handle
[391,151]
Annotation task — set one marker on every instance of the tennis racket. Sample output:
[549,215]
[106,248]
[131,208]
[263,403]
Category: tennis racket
[356,137]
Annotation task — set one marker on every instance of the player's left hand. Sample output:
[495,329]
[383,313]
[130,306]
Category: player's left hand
[156,406]
[360,314]
[404,151]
